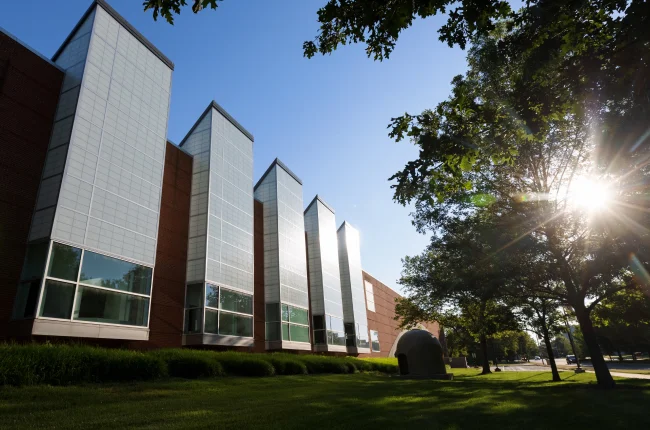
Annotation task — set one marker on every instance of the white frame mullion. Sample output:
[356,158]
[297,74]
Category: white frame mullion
[76,287]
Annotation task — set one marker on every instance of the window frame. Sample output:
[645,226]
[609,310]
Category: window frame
[290,323]
[370,295]
[77,284]
[217,310]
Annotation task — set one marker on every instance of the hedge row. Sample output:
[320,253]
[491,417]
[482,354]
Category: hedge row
[65,364]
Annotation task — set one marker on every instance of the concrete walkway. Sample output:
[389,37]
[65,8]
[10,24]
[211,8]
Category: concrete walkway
[562,368]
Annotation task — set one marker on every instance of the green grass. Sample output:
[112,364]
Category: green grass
[518,400]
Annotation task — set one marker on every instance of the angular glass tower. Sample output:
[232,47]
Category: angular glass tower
[286,296]
[324,277]
[92,241]
[219,292]
[354,302]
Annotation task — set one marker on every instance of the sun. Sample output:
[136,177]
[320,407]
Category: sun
[590,194]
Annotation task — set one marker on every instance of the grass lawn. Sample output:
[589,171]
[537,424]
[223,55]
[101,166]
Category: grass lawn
[522,400]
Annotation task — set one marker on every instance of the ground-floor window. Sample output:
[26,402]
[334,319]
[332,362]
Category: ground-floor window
[374,340]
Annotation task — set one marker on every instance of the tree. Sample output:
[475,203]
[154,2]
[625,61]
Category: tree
[623,321]
[457,281]
[561,345]
[168,8]
[544,320]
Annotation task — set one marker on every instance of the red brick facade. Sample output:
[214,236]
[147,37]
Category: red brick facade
[29,91]
[383,319]
[168,293]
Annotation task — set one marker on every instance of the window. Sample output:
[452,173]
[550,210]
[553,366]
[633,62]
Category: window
[350,336]
[64,262]
[102,271]
[363,340]
[374,340]
[27,299]
[193,318]
[295,323]
[193,308]
[370,296]
[235,325]
[211,296]
[211,322]
[57,299]
[222,311]
[111,307]
[236,302]
[87,276]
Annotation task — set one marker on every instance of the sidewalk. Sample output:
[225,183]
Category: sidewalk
[564,367]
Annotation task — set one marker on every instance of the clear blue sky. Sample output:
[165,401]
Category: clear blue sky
[325,118]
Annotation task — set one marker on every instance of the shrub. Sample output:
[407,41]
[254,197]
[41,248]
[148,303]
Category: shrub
[65,365]
[286,364]
[383,365]
[244,364]
[189,364]
[323,364]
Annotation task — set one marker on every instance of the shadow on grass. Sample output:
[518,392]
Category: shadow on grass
[334,401]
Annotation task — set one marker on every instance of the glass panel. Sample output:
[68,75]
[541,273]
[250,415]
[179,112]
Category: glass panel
[232,301]
[26,299]
[336,338]
[235,325]
[336,324]
[374,336]
[35,259]
[363,341]
[57,299]
[298,333]
[319,322]
[193,318]
[194,296]
[285,331]
[298,316]
[110,272]
[285,312]
[108,307]
[211,296]
[211,321]
[320,337]
[272,331]
[272,312]
[64,262]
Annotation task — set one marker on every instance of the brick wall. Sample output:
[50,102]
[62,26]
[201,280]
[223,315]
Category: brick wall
[29,91]
[382,320]
[168,294]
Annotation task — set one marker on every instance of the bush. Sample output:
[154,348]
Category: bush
[286,364]
[383,365]
[324,364]
[244,364]
[65,365]
[189,364]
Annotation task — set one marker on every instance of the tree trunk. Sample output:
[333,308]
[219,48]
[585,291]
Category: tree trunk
[620,356]
[484,350]
[549,351]
[603,376]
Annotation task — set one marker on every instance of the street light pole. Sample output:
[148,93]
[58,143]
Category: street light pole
[573,346]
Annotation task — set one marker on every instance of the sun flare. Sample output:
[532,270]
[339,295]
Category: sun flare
[590,194]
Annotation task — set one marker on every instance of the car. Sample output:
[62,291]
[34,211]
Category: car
[537,357]
[571,359]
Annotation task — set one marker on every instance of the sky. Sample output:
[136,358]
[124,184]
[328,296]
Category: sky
[325,118]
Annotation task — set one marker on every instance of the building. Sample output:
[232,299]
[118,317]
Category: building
[120,237]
